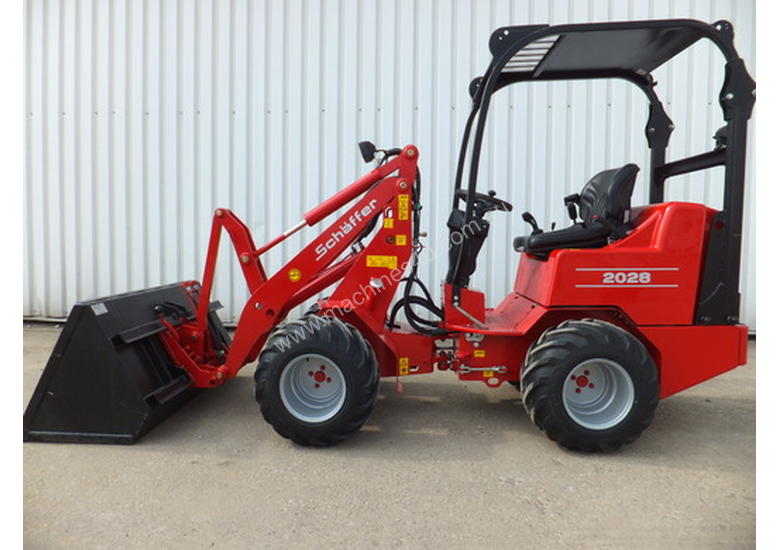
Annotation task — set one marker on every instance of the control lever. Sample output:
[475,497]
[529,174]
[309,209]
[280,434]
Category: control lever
[571,208]
[571,202]
[529,219]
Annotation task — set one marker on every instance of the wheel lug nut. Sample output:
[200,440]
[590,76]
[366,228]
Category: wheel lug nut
[586,372]
[316,385]
[322,367]
[311,373]
[328,380]
[573,377]
[590,385]
[578,390]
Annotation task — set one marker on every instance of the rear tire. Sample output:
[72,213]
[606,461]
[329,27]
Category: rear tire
[317,380]
[590,385]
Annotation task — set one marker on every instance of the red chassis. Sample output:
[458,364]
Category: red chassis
[645,283]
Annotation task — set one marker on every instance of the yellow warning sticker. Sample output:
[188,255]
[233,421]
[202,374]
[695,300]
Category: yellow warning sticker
[479,353]
[400,240]
[390,262]
[487,373]
[403,366]
[403,207]
[388,223]
[294,275]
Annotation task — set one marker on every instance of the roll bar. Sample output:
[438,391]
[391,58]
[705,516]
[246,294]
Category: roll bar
[631,51]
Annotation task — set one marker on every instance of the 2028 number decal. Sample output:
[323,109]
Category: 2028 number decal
[626,277]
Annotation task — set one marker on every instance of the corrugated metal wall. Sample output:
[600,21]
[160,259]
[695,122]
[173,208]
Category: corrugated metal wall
[144,115]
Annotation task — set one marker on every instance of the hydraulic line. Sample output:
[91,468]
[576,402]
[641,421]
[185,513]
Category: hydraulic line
[420,324]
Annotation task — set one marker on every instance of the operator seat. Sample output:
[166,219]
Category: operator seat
[604,204]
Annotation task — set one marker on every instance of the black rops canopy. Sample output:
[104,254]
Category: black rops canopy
[632,50]
[628,50]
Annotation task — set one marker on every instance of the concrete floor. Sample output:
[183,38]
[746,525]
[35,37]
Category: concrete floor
[444,464]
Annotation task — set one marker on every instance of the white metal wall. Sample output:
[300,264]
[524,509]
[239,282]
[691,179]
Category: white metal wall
[142,116]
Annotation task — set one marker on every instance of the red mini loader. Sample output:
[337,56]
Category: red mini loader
[623,307]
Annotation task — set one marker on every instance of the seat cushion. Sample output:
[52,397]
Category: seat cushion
[575,236]
[604,203]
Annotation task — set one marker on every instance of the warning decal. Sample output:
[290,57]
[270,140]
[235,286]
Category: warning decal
[403,207]
[390,262]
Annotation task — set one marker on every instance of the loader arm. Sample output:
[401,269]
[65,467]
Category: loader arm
[320,264]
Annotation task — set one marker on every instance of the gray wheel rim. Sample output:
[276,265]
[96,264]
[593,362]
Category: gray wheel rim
[312,388]
[598,394]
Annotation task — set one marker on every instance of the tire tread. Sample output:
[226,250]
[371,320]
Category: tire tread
[548,355]
[333,334]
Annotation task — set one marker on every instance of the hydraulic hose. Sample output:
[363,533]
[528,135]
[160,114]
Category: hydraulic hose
[420,324]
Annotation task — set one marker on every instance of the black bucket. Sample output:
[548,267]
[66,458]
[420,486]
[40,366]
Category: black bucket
[109,378]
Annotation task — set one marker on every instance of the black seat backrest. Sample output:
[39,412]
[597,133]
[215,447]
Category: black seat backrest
[608,195]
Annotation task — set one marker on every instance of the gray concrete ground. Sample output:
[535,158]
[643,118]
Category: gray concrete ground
[443,465]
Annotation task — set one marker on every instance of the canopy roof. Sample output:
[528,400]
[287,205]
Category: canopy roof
[631,49]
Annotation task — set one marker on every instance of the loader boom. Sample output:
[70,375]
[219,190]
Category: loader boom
[312,270]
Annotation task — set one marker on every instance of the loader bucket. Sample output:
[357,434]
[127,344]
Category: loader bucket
[109,378]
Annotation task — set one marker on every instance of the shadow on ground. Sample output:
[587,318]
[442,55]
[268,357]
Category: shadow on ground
[455,421]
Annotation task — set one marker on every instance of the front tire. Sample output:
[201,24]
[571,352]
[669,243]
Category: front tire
[317,381]
[590,385]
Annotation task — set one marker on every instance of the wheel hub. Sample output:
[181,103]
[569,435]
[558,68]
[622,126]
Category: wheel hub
[312,388]
[598,394]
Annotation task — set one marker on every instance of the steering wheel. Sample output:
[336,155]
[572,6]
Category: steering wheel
[485,203]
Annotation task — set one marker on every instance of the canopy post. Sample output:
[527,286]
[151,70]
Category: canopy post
[658,129]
